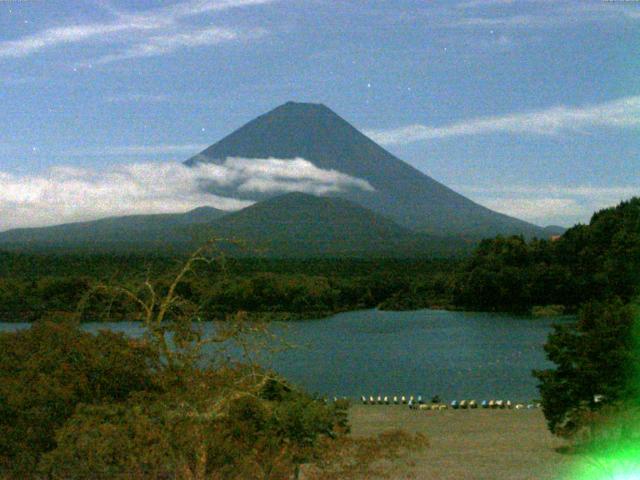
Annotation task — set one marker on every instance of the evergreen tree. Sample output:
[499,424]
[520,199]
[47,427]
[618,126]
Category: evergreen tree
[595,363]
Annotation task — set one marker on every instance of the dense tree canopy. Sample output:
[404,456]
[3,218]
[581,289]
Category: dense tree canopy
[77,405]
[589,262]
[73,403]
[31,285]
[596,364]
[47,370]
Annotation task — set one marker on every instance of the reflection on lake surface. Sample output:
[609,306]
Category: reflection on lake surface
[427,352]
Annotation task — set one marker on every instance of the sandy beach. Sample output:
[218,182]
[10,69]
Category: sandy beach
[472,444]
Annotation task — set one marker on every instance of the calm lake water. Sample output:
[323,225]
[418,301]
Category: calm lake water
[426,352]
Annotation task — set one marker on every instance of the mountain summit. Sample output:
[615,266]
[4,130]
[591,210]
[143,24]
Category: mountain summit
[315,133]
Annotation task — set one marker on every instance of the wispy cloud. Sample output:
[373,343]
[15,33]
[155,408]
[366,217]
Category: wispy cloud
[138,97]
[156,45]
[133,150]
[615,192]
[14,80]
[503,21]
[57,36]
[624,112]
[67,194]
[541,211]
[484,3]
[549,204]
[540,13]
[152,32]
[492,4]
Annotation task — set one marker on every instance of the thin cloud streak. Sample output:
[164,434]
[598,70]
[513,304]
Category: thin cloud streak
[138,97]
[484,3]
[621,113]
[505,21]
[550,204]
[132,150]
[164,44]
[57,36]
[155,20]
[541,211]
[544,13]
[583,190]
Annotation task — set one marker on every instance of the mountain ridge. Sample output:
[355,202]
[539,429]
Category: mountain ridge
[125,230]
[404,213]
[292,225]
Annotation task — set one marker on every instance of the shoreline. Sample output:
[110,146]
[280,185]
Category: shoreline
[293,317]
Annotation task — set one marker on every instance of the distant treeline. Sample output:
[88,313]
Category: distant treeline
[588,262]
[31,284]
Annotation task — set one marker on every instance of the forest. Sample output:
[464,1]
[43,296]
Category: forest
[31,285]
[589,262]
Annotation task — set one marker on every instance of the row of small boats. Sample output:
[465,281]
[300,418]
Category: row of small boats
[419,403]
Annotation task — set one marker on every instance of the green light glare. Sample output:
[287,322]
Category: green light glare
[621,465]
[615,455]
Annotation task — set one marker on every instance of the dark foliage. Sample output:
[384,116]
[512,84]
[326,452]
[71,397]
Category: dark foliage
[596,362]
[588,262]
[31,285]
[49,369]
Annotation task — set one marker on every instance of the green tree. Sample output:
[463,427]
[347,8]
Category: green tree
[595,362]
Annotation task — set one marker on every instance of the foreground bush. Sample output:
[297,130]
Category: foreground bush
[49,369]
[178,435]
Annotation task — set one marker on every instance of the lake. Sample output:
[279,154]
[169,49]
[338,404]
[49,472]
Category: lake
[454,355]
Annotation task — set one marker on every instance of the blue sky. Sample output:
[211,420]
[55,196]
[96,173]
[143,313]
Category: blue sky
[530,107]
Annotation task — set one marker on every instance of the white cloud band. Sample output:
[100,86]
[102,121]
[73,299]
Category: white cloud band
[624,112]
[66,194]
[157,45]
[270,175]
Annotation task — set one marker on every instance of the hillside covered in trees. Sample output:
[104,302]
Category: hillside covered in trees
[588,262]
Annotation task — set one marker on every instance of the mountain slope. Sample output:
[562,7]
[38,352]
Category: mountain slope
[402,193]
[298,224]
[290,225]
[133,231]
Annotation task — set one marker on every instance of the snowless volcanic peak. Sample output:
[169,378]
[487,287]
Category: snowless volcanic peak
[319,138]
